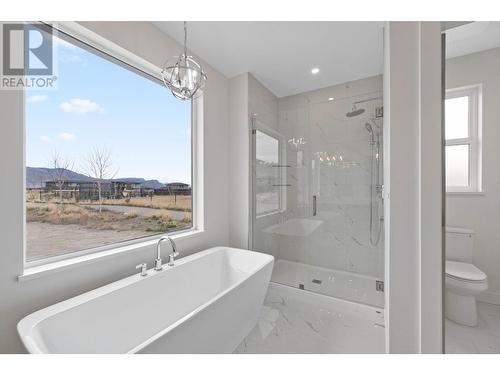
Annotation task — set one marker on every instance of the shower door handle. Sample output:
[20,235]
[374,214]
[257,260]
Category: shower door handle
[314,206]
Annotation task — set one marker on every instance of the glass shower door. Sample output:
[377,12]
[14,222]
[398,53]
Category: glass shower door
[312,188]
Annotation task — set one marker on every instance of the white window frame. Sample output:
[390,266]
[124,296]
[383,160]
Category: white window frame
[123,55]
[474,140]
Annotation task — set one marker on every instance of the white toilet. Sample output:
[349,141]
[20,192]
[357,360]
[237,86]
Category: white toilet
[463,281]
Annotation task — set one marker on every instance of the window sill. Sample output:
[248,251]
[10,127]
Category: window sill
[465,193]
[51,268]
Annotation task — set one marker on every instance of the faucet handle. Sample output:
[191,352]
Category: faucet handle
[143,267]
[171,257]
[158,264]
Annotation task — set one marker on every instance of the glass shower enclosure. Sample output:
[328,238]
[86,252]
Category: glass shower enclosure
[316,188]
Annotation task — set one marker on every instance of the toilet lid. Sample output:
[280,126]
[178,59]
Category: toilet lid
[464,271]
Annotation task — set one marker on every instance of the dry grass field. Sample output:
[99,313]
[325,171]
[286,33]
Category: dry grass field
[168,202]
[179,203]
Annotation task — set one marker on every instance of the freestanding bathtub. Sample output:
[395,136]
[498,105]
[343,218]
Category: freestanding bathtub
[207,303]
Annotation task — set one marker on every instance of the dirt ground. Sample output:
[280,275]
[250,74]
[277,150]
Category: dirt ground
[45,240]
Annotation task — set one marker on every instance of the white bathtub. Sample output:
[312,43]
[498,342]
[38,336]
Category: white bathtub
[207,303]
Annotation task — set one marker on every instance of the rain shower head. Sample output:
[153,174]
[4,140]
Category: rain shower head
[355,111]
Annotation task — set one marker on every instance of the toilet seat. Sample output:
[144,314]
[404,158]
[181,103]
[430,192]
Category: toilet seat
[462,271]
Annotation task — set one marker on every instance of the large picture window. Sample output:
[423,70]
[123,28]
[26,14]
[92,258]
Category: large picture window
[108,156]
[463,140]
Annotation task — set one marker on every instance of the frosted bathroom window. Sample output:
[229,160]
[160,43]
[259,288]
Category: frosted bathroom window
[463,140]
[268,173]
[108,156]
[457,165]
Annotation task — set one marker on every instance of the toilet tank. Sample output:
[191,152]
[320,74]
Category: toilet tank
[459,244]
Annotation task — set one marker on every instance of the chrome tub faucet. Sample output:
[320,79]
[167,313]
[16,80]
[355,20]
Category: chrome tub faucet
[172,256]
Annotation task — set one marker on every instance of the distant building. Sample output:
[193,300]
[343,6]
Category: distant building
[174,188]
[79,189]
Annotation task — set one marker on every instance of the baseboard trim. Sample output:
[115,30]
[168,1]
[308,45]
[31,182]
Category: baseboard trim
[489,297]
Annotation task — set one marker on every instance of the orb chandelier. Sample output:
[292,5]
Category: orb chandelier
[183,75]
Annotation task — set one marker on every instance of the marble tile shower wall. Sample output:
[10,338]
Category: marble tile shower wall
[329,156]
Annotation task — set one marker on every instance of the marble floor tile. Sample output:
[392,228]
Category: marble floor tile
[298,321]
[484,338]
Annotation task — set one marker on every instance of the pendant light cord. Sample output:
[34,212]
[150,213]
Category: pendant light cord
[185,38]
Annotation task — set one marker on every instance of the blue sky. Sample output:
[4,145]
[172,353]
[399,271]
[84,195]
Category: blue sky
[98,103]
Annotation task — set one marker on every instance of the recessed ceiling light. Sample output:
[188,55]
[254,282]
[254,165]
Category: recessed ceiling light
[330,99]
[315,70]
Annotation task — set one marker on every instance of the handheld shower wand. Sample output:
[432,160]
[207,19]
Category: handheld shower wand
[374,159]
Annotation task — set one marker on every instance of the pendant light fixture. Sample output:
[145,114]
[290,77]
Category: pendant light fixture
[183,75]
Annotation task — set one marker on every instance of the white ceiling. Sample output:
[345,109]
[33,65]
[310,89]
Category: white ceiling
[281,54]
[472,37]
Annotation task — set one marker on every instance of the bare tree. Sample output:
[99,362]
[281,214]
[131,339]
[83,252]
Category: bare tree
[58,172]
[100,167]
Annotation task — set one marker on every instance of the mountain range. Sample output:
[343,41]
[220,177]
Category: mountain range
[36,177]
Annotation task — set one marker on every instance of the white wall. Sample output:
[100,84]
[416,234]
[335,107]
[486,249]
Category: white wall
[238,161]
[481,212]
[412,155]
[21,298]
[401,91]
[431,190]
